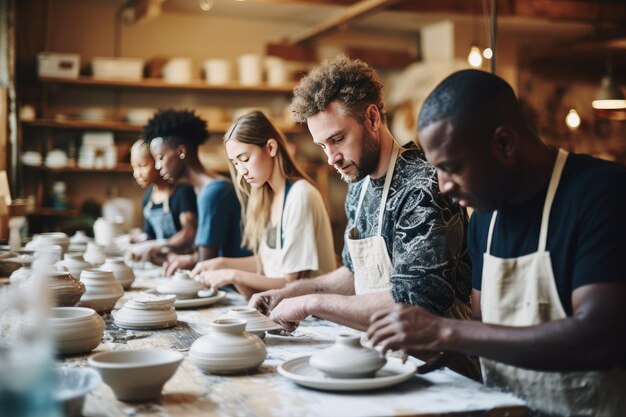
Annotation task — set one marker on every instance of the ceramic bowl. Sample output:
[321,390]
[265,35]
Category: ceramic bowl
[227,349]
[136,375]
[122,272]
[76,329]
[347,359]
[148,301]
[256,323]
[7,267]
[142,319]
[181,285]
[72,385]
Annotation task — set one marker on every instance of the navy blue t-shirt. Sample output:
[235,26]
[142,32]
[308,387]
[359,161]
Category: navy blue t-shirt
[183,199]
[219,219]
[586,232]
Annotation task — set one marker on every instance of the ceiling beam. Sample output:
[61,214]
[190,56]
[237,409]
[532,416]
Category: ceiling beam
[357,10]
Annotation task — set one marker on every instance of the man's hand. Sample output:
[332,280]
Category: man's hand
[208,265]
[218,278]
[290,311]
[405,327]
[266,301]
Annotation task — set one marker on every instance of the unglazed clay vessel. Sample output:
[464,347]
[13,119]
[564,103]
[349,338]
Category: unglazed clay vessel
[76,329]
[347,359]
[122,272]
[65,289]
[136,375]
[74,263]
[227,348]
[95,254]
[43,240]
[256,323]
[147,312]
[182,285]
[103,290]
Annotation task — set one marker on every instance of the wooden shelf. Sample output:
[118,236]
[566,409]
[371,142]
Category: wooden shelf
[159,84]
[120,168]
[121,126]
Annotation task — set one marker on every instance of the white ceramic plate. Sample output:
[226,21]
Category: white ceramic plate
[299,371]
[200,302]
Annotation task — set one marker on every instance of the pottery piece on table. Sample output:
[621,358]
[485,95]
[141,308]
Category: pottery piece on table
[8,267]
[20,276]
[66,290]
[106,230]
[136,375]
[71,386]
[74,263]
[76,329]
[122,272]
[256,323]
[80,238]
[148,301]
[42,240]
[228,348]
[103,290]
[95,254]
[347,359]
[182,285]
[145,319]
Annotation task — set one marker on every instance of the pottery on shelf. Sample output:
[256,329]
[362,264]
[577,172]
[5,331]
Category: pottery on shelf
[122,272]
[103,290]
[227,348]
[95,254]
[65,290]
[182,285]
[256,323]
[76,329]
[74,263]
[347,359]
[147,311]
[136,375]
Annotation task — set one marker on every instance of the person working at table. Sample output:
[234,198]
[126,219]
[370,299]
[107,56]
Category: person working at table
[404,241]
[175,136]
[286,222]
[169,210]
[547,240]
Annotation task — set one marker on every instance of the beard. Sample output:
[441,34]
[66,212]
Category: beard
[368,160]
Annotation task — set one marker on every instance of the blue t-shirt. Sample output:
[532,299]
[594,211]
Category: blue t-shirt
[586,231]
[183,199]
[219,219]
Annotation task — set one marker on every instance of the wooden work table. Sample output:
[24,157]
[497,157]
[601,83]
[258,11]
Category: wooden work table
[265,393]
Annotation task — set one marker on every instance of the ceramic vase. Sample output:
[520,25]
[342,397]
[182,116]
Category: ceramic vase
[347,359]
[106,230]
[65,290]
[95,254]
[122,272]
[227,348]
[181,285]
[74,263]
[256,323]
[76,329]
[103,290]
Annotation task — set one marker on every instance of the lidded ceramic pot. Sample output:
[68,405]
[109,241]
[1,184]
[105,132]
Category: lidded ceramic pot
[76,329]
[103,290]
[256,323]
[182,285]
[95,254]
[122,272]
[74,263]
[347,359]
[66,290]
[227,348]
[147,311]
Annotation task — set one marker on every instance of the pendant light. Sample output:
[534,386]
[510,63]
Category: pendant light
[572,120]
[475,58]
[609,96]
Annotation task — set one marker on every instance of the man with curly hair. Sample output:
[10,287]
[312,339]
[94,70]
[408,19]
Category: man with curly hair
[404,242]
[174,137]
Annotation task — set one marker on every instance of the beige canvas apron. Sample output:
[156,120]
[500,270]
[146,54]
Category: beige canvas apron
[370,259]
[522,292]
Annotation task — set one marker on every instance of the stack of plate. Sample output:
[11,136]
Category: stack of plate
[256,323]
[147,311]
[76,329]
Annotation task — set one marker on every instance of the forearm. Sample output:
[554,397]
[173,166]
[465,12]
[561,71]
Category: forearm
[340,281]
[258,282]
[247,263]
[182,240]
[353,311]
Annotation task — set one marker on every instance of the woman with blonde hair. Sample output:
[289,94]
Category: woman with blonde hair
[286,223]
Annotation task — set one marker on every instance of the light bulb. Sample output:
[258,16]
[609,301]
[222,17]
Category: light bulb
[487,53]
[206,5]
[572,120]
[475,59]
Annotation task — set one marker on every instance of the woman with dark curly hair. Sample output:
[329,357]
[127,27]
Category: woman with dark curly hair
[174,137]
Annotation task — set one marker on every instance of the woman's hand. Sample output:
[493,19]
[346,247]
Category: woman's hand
[209,265]
[218,278]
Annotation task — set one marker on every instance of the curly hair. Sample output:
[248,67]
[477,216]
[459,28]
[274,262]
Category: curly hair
[351,82]
[177,126]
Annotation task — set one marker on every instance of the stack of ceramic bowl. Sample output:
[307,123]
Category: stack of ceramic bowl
[347,359]
[256,323]
[76,329]
[181,285]
[147,311]
[227,348]
[74,263]
[95,254]
[103,290]
[122,272]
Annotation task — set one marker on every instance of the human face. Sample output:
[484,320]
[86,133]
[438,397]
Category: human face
[467,170]
[143,168]
[349,146]
[254,163]
[167,160]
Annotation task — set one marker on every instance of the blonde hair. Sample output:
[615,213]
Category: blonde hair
[256,129]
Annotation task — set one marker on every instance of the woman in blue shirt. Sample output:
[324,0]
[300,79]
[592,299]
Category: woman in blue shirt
[174,137]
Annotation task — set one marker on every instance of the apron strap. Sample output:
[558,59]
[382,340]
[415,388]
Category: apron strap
[492,224]
[547,205]
[279,226]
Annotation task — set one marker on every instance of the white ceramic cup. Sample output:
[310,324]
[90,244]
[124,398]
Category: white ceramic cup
[217,71]
[250,70]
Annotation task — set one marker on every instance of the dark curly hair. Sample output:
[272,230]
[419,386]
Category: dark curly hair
[351,82]
[176,127]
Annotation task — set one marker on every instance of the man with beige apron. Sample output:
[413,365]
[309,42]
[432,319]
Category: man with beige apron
[522,292]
